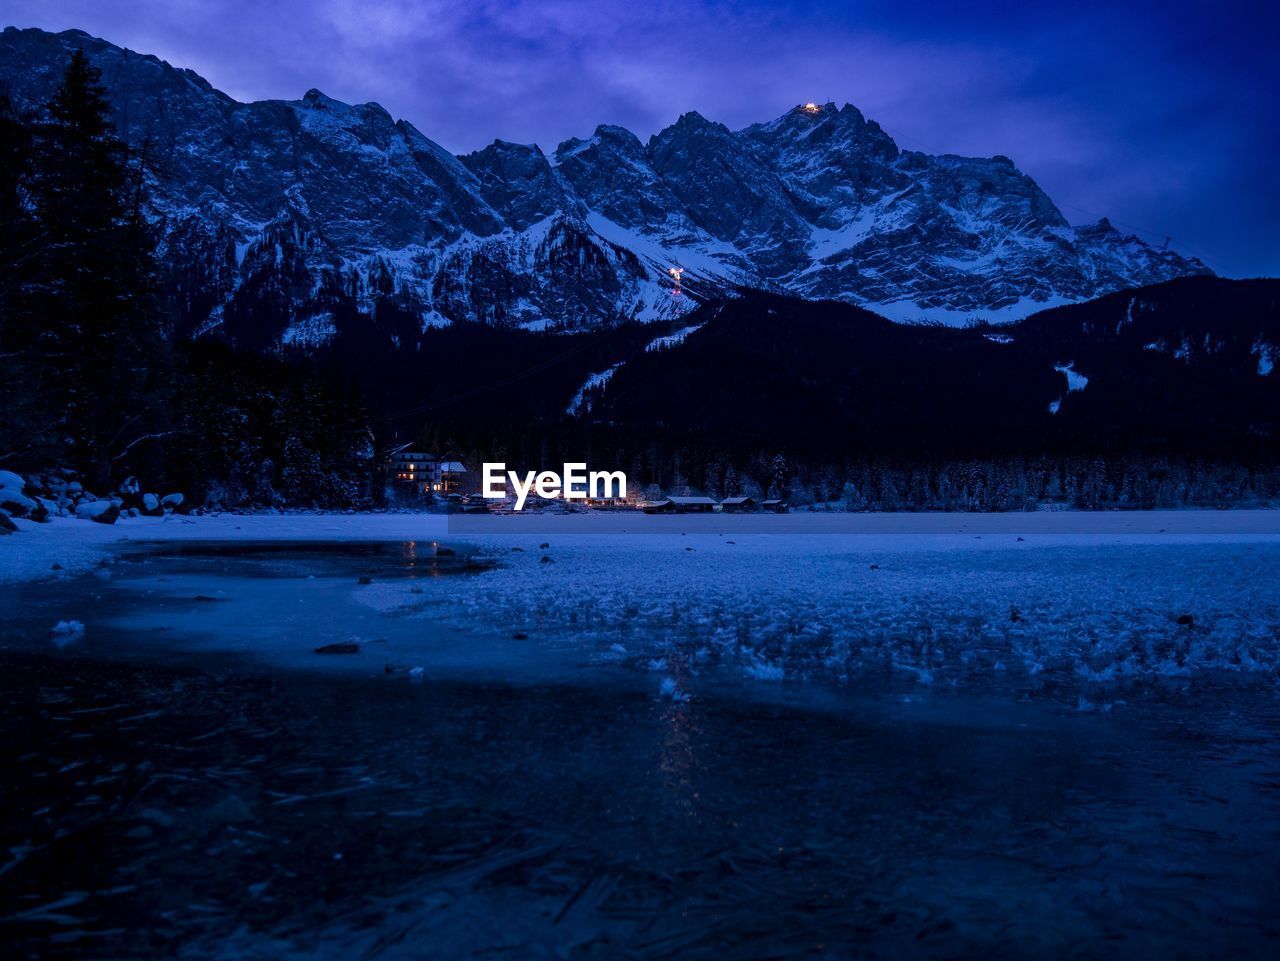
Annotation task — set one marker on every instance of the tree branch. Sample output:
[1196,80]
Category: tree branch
[134,443]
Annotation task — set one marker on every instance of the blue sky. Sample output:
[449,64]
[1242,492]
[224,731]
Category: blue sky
[1162,116]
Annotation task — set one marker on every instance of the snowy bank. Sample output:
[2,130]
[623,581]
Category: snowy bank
[77,545]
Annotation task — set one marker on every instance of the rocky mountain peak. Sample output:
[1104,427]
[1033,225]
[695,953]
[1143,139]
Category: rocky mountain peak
[819,202]
[518,182]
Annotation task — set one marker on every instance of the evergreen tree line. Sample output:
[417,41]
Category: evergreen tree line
[883,482]
[91,377]
[1082,483]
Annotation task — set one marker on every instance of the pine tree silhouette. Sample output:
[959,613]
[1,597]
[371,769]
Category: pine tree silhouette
[100,339]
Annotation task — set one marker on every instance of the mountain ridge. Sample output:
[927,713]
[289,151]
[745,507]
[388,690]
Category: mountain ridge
[287,220]
[1185,365]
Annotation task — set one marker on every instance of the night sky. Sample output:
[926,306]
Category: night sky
[1164,116]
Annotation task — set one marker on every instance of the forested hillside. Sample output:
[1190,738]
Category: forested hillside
[92,376]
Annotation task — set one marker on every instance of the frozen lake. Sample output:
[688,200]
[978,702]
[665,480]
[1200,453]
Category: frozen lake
[1009,740]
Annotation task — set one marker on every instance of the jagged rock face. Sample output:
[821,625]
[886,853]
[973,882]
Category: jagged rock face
[557,274]
[284,221]
[611,174]
[518,182]
[834,162]
[729,190]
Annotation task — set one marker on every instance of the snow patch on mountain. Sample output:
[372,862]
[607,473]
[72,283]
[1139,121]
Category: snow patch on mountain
[1075,379]
[309,333]
[908,312]
[672,340]
[581,401]
[1266,354]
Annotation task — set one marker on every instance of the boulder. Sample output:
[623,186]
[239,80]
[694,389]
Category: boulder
[7,526]
[13,500]
[151,505]
[16,503]
[172,500]
[104,512]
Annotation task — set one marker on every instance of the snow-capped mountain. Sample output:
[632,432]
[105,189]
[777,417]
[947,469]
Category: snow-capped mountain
[285,220]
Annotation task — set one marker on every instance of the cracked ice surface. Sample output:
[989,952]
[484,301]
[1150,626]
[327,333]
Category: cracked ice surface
[939,610]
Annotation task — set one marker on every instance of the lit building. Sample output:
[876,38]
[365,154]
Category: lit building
[412,468]
[450,475]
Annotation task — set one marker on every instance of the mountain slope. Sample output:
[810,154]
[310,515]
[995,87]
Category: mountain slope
[1186,366]
[288,222]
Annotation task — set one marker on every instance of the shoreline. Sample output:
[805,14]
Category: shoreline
[78,545]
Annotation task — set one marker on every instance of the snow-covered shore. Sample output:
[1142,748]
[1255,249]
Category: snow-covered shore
[78,545]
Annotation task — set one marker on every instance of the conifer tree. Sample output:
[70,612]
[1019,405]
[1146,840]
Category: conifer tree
[23,426]
[100,338]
